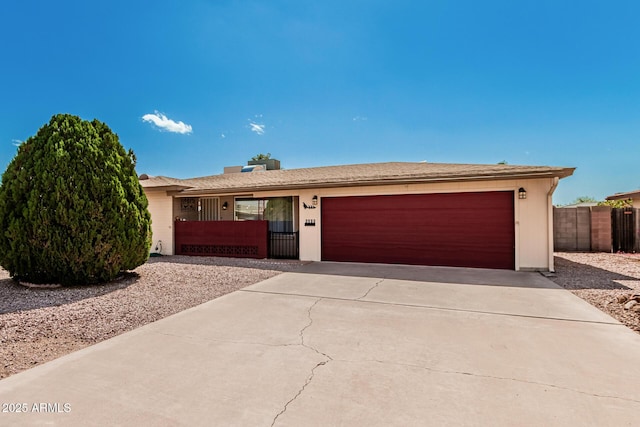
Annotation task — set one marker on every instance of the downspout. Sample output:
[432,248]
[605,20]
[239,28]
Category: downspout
[554,185]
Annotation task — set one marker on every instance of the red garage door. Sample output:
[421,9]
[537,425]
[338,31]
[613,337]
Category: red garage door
[453,229]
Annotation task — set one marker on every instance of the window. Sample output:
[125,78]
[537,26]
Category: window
[277,210]
[188,204]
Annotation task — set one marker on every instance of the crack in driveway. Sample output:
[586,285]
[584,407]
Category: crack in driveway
[307,382]
[313,370]
[471,374]
[302,343]
[370,289]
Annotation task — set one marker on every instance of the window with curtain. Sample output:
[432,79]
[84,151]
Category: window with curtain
[277,210]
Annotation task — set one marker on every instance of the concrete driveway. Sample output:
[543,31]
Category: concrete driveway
[353,344]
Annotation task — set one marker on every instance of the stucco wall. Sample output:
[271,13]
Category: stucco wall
[186,215]
[534,225]
[227,214]
[531,214]
[161,209]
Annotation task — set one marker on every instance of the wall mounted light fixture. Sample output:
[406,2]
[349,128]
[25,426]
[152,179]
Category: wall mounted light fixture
[314,200]
[225,205]
[522,193]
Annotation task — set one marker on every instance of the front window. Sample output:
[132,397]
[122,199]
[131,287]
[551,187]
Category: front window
[277,210]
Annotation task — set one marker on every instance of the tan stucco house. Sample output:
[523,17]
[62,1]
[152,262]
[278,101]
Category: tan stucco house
[491,216]
[633,196]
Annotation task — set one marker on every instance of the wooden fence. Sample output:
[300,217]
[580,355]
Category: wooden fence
[624,230]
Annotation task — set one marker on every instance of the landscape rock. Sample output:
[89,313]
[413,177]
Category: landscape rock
[41,323]
[622,298]
[601,278]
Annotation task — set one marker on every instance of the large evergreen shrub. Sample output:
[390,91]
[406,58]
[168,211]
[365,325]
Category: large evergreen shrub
[72,210]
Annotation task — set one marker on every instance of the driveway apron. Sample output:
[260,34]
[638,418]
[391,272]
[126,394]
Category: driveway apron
[352,344]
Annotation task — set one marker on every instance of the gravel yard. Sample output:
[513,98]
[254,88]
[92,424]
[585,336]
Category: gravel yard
[39,324]
[603,280]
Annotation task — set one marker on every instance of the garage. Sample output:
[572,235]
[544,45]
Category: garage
[474,229]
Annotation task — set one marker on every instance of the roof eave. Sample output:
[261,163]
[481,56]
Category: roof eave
[623,196]
[166,187]
[385,181]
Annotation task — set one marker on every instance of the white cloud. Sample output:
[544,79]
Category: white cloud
[16,142]
[165,123]
[360,119]
[257,128]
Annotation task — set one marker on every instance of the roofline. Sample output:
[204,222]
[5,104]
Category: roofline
[623,196]
[193,191]
[172,187]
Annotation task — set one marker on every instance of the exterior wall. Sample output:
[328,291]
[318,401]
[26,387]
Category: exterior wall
[310,226]
[185,215]
[532,220]
[193,215]
[161,209]
[227,215]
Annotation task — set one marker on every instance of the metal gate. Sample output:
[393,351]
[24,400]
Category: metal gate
[283,245]
[623,233]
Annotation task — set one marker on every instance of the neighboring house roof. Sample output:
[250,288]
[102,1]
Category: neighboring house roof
[581,205]
[624,196]
[354,175]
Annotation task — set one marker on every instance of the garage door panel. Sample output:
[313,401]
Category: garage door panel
[454,229]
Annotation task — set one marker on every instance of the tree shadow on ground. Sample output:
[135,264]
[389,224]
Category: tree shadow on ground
[16,297]
[574,275]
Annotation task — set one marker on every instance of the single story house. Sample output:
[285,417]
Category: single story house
[467,215]
[634,196]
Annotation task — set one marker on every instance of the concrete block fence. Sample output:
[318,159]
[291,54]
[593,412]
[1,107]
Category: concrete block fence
[589,229]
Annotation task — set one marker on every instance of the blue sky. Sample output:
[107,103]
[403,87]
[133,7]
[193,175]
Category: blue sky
[194,86]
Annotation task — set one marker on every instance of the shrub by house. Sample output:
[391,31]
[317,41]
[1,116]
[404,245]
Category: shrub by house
[72,210]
